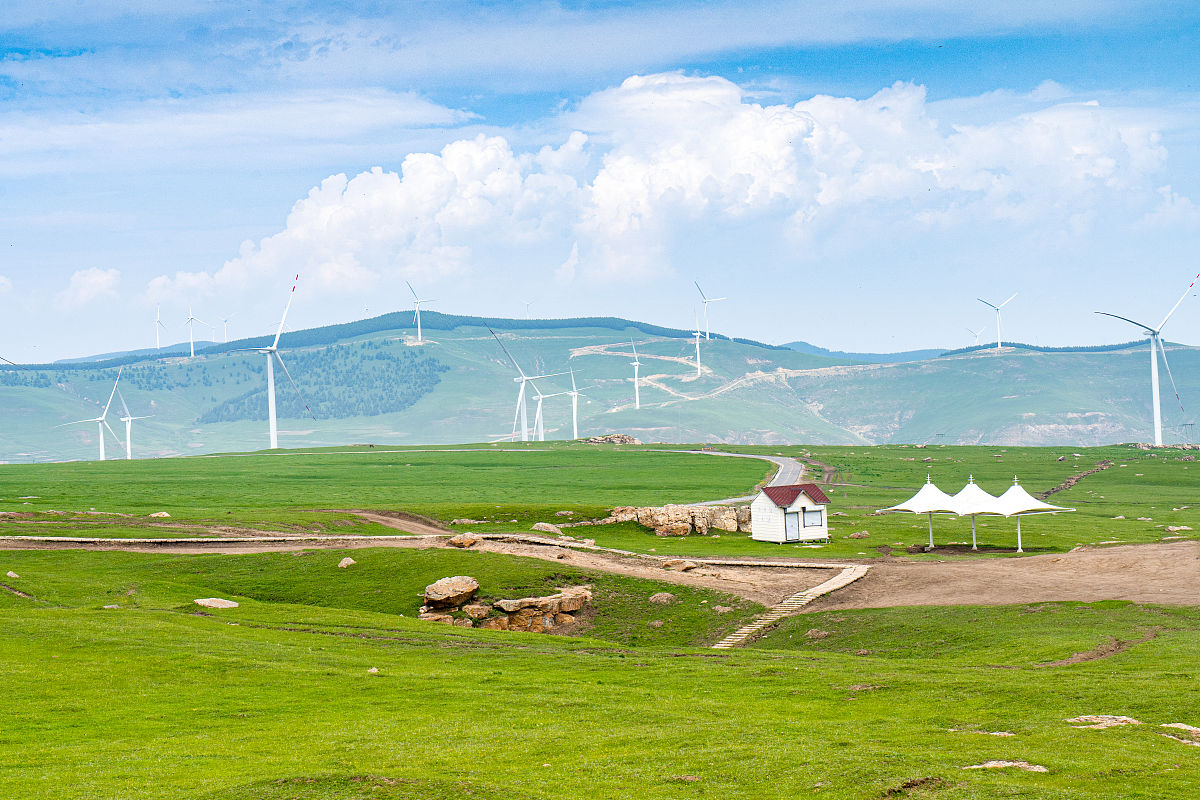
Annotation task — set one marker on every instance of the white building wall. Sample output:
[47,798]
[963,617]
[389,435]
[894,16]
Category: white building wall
[814,533]
[766,520]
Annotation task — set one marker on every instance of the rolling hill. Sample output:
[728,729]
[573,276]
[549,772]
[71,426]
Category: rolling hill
[369,381]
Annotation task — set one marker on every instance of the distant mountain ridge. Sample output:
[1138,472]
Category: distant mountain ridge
[870,358]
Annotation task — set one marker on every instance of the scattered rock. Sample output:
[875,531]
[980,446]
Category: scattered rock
[477,610]
[662,598]
[1145,519]
[373,670]
[656,623]
[465,521]
[546,527]
[564,513]
[563,619]
[463,623]
[346,562]
[464,540]
[1102,721]
[816,633]
[434,616]
[722,609]
[451,591]
[862,652]
[859,535]
[1025,765]
[1192,729]
[679,565]
[612,438]
[12,574]
[159,514]
[113,606]
[1177,528]
[1192,742]
[1119,516]
[215,602]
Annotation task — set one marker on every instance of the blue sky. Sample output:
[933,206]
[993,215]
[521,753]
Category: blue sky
[849,173]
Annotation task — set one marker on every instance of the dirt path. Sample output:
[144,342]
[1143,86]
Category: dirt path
[1150,573]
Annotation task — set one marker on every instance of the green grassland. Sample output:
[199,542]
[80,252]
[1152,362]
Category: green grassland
[159,699]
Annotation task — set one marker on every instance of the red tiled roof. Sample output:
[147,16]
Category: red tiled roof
[784,496]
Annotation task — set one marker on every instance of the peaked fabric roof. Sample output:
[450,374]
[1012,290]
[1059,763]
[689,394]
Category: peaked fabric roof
[930,499]
[973,500]
[784,496]
[1018,501]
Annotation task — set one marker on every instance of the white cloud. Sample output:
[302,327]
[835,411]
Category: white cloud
[88,285]
[663,154]
[5,284]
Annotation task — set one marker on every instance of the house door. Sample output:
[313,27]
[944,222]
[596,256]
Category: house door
[791,525]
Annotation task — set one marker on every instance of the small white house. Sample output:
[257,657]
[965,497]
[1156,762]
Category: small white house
[790,514]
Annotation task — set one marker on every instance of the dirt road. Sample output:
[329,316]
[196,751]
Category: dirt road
[1150,573]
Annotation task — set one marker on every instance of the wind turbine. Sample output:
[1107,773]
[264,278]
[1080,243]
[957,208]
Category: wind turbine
[696,333]
[101,421]
[999,343]
[522,412]
[128,420]
[636,364]
[191,318]
[272,354]
[528,303]
[1156,346]
[976,334]
[225,322]
[417,305]
[539,422]
[574,407]
[158,326]
[706,300]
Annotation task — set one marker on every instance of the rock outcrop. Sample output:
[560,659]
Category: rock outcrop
[546,527]
[544,614]
[451,591]
[612,438]
[672,520]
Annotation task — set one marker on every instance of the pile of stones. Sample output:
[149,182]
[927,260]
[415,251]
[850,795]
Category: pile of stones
[444,600]
[680,520]
[612,438]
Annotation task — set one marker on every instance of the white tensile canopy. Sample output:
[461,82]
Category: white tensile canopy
[929,500]
[972,500]
[1016,502]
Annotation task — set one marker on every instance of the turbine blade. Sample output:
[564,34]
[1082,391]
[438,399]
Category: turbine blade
[414,291]
[717,299]
[573,389]
[1146,328]
[111,394]
[505,349]
[986,303]
[1167,364]
[701,291]
[6,361]
[294,386]
[123,406]
[282,320]
[110,430]
[634,346]
[1174,307]
[1009,300]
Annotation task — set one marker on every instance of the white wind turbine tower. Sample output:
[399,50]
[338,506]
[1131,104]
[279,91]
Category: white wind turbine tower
[417,306]
[191,318]
[999,342]
[528,304]
[706,300]
[636,364]
[697,334]
[272,354]
[225,323]
[102,421]
[574,393]
[1156,346]
[128,420]
[158,326]
[522,413]
[976,334]
[539,422]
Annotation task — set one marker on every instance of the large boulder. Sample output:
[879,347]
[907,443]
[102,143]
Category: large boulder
[451,591]
[574,598]
[624,514]
[546,527]
[464,540]
[215,602]
[662,598]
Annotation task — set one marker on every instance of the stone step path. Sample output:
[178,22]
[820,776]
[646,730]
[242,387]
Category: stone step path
[792,605]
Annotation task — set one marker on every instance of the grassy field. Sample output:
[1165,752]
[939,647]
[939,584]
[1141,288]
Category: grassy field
[273,699]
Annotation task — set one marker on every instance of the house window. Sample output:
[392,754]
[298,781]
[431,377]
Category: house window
[813,518]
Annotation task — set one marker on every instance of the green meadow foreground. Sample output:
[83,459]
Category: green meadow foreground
[157,698]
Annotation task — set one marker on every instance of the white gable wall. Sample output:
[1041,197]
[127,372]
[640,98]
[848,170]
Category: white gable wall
[767,523]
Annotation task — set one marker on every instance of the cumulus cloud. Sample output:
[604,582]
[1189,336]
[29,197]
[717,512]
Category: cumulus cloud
[87,286]
[658,155]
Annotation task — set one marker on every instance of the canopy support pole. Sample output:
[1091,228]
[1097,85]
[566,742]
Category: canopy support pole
[973,545]
[1019,550]
[930,530]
